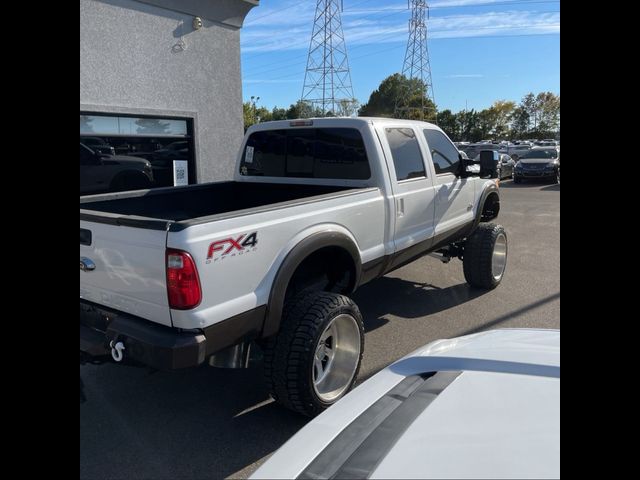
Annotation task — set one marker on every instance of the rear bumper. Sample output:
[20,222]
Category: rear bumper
[157,346]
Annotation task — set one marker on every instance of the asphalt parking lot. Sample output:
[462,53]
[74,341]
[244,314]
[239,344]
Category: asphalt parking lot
[211,423]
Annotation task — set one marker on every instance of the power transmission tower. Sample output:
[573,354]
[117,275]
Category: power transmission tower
[416,63]
[327,80]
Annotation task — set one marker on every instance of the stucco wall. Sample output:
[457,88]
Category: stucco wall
[129,63]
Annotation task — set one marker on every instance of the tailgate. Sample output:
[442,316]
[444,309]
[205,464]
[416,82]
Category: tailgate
[129,272]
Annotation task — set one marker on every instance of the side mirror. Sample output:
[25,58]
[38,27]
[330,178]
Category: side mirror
[464,163]
[489,163]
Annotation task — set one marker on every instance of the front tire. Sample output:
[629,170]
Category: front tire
[485,256]
[314,359]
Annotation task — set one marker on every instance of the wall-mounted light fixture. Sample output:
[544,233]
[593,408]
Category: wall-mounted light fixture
[197,23]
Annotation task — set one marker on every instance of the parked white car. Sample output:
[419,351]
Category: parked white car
[480,406]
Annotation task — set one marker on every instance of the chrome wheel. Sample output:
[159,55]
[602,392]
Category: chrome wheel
[499,257]
[336,357]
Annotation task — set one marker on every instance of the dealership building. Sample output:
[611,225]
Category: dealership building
[160,92]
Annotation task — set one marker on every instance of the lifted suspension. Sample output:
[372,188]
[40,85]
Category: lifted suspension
[452,250]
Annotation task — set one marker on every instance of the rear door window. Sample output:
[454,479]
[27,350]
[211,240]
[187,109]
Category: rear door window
[407,158]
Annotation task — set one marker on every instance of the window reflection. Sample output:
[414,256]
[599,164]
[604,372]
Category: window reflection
[130,153]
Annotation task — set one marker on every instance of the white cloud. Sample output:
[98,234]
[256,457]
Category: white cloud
[288,32]
[465,75]
[457,3]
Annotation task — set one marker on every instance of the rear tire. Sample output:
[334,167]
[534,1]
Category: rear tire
[314,359]
[485,256]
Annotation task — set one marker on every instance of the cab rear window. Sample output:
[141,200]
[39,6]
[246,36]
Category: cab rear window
[306,153]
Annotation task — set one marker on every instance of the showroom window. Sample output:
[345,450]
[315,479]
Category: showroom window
[127,152]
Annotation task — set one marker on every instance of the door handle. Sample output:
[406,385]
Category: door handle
[400,208]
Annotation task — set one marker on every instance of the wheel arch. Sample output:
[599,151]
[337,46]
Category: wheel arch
[317,243]
[491,194]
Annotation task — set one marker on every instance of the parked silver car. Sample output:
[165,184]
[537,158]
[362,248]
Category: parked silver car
[505,165]
[515,151]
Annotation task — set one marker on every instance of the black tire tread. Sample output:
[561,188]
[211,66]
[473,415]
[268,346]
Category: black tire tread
[286,355]
[478,253]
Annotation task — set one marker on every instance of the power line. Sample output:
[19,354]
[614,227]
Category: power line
[361,18]
[494,4]
[288,62]
[253,21]
[290,75]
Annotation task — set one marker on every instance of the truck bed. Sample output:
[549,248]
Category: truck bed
[185,203]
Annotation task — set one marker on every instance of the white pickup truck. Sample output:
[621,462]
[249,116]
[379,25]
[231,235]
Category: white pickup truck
[174,277]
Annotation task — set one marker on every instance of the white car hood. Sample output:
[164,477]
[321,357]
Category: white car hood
[497,418]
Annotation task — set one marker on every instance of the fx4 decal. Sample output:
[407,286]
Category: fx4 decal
[230,247]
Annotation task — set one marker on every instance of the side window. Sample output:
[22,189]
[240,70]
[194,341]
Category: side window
[405,151]
[444,153]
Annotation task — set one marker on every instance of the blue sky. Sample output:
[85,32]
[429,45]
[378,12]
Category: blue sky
[480,50]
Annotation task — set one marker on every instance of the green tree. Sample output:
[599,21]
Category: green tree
[529,104]
[348,108]
[519,123]
[300,109]
[501,112]
[247,114]
[537,116]
[548,107]
[278,113]
[448,122]
[263,115]
[253,114]
[467,120]
[398,89]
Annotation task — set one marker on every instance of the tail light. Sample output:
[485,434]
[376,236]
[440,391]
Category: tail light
[183,284]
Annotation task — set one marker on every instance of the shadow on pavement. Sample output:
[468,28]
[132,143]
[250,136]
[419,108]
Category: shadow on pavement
[402,298]
[508,316]
[199,423]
